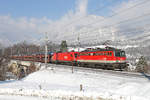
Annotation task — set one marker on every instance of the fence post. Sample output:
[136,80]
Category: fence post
[81,87]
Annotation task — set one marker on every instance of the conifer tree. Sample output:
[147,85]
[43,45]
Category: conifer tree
[63,46]
[142,65]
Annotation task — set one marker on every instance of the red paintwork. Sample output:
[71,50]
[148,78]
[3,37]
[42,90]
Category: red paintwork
[65,56]
[104,57]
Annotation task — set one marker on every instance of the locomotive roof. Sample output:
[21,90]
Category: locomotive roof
[101,49]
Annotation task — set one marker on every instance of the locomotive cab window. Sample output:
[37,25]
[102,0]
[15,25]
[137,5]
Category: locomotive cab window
[117,54]
[123,53]
[120,53]
[110,54]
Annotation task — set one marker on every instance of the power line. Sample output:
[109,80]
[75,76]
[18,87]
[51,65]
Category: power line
[122,11]
[136,31]
[114,14]
[124,21]
[130,29]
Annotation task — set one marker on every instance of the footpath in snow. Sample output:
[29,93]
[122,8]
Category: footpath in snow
[61,84]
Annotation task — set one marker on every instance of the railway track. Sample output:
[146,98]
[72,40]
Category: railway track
[99,71]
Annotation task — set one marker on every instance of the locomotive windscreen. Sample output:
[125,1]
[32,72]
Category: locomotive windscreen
[120,53]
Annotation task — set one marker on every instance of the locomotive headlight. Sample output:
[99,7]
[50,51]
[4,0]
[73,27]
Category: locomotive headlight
[105,58]
[121,59]
[65,57]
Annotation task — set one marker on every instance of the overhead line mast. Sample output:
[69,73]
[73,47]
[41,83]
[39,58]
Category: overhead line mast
[78,42]
[46,40]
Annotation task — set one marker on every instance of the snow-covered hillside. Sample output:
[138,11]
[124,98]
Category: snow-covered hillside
[60,82]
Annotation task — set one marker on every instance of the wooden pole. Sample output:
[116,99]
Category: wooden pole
[72,67]
[81,87]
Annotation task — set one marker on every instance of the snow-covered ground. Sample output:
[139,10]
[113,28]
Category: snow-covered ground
[16,97]
[61,83]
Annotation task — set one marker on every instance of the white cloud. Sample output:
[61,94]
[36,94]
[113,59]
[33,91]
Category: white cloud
[20,29]
[81,9]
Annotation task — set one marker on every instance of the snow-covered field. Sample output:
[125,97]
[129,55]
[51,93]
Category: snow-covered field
[16,97]
[61,84]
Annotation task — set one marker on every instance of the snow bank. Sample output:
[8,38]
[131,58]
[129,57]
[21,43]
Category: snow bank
[66,95]
[61,83]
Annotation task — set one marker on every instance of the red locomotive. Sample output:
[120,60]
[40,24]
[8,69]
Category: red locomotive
[107,58]
[64,57]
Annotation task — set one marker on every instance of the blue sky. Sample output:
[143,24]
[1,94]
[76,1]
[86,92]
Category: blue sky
[36,8]
[53,9]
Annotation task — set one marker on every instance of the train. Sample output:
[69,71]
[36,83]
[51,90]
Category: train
[105,58]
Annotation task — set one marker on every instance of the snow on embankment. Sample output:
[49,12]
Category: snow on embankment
[61,83]
[67,95]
